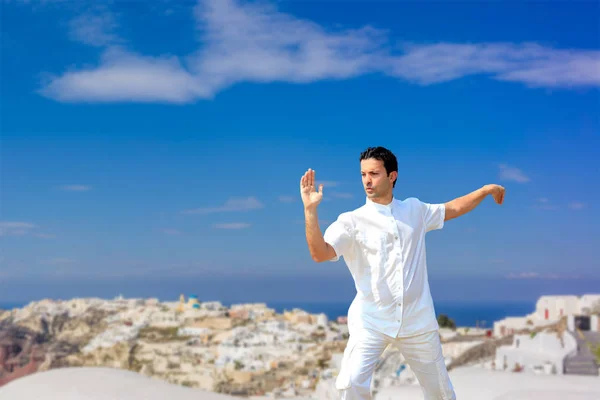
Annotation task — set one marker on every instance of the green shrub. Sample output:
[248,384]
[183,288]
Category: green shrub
[445,322]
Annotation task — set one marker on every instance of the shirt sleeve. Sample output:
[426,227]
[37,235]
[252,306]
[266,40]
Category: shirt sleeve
[433,215]
[338,235]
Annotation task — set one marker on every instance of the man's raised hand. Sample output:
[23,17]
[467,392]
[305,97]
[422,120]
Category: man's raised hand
[310,196]
[497,193]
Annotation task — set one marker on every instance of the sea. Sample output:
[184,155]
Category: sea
[481,314]
[463,314]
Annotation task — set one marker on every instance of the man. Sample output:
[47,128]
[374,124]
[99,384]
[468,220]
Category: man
[383,245]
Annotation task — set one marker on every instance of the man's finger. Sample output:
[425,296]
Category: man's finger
[321,189]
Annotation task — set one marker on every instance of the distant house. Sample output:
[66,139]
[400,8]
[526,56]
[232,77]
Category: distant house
[511,325]
[540,352]
[549,310]
[556,307]
[588,303]
[583,322]
[239,313]
[298,316]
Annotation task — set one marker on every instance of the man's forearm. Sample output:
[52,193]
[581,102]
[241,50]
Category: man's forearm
[314,237]
[465,204]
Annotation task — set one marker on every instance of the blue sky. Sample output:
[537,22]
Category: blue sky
[165,140]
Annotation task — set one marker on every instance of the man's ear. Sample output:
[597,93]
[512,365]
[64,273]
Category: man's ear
[393,176]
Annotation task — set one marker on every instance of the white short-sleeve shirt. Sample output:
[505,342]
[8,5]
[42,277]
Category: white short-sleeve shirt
[384,249]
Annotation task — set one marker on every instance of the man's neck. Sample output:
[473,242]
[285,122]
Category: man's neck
[384,201]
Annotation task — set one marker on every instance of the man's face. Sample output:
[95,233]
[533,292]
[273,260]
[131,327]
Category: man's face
[375,180]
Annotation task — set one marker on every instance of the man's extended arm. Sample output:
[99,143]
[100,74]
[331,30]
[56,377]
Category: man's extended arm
[467,203]
[319,249]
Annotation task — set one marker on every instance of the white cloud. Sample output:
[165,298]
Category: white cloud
[76,188]
[342,195]
[529,63]
[256,43]
[59,261]
[287,199]
[8,228]
[231,205]
[44,235]
[537,275]
[543,203]
[232,225]
[127,77]
[94,29]
[508,173]
[576,205]
[523,275]
[17,228]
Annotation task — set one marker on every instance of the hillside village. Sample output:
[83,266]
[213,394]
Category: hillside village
[250,350]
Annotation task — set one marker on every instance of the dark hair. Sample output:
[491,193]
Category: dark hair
[382,154]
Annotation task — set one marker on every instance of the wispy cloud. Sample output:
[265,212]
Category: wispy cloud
[18,228]
[44,235]
[59,261]
[537,275]
[254,42]
[341,195]
[8,228]
[508,173]
[232,205]
[523,275]
[287,199]
[576,205]
[528,63]
[128,77]
[543,203]
[94,29]
[232,225]
[76,188]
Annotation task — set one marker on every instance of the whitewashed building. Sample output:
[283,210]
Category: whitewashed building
[593,321]
[548,310]
[322,320]
[555,307]
[542,352]
[588,302]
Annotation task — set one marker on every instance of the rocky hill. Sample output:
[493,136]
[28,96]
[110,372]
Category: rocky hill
[244,350]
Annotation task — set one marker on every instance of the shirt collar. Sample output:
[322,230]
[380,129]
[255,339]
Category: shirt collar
[381,208]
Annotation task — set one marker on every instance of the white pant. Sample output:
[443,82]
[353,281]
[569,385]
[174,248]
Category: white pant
[423,353]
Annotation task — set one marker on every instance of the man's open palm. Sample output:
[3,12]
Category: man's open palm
[310,196]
